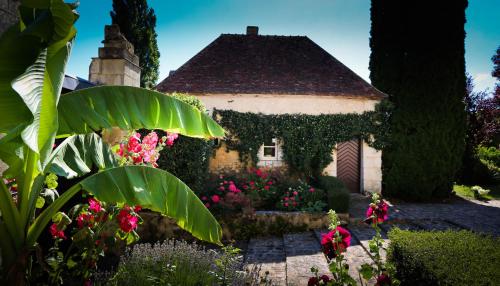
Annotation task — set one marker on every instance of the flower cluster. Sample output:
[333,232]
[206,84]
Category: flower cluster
[317,281]
[225,196]
[298,197]
[134,151]
[335,242]
[377,212]
[128,218]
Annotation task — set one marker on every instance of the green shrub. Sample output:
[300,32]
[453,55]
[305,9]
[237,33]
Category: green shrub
[178,263]
[188,158]
[444,258]
[337,194]
[491,154]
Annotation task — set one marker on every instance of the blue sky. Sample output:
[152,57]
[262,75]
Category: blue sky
[339,26]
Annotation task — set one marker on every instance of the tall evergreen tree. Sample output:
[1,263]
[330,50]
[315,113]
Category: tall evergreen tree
[137,23]
[418,60]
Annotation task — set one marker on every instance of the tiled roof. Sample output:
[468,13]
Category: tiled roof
[255,64]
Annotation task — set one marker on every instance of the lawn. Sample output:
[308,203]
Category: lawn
[466,191]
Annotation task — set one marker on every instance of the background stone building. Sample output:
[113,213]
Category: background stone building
[281,75]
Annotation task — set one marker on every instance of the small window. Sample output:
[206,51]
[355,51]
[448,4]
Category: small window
[270,147]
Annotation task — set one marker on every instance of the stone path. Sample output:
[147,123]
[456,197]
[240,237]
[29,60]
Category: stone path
[288,259]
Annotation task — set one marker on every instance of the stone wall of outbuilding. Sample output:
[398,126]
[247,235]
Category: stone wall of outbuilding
[371,159]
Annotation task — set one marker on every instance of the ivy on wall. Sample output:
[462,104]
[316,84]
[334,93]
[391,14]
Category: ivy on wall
[308,140]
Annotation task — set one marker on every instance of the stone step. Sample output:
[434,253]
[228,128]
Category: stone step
[266,261]
[303,251]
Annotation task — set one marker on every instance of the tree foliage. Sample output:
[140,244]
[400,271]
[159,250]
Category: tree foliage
[418,60]
[137,23]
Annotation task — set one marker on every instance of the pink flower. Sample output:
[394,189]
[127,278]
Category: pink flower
[56,232]
[266,188]
[377,213]
[151,139]
[204,198]
[171,137]
[286,198]
[330,246]
[311,190]
[121,151]
[126,220]
[285,204]
[245,187]
[295,193]
[221,188]
[94,205]
[294,204]
[233,188]
[85,219]
[258,172]
[137,208]
[270,182]
[207,205]
[252,183]
[221,177]
[215,198]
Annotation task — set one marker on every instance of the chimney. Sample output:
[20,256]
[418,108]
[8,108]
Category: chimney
[116,64]
[252,30]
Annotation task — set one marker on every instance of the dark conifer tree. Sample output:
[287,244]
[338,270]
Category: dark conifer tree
[137,23]
[418,60]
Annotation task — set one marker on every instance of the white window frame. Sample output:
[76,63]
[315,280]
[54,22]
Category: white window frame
[276,149]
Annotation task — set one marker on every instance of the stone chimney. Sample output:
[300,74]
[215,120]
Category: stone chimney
[117,64]
[252,30]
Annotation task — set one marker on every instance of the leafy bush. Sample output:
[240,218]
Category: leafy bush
[300,196]
[178,263]
[490,158]
[337,194]
[444,258]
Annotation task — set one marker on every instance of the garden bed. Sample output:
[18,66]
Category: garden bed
[239,226]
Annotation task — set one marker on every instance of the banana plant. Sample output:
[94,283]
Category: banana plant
[33,57]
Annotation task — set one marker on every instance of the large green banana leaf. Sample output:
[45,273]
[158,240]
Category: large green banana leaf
[93,109]
[151,188]
[77,154]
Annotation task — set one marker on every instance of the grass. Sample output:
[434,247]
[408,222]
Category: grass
[466,192]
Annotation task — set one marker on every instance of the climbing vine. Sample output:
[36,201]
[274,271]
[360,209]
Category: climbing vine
[308,140]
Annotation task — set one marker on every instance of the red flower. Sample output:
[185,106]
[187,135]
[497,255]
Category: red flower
[134,146]
[313,281]
[285,204]
[94,205]
[330,246]
[85,219]
[215,198]
[325,278]
[258,172]
[233,188]
[270,182]
[379,212]
[137,208]
[56,232]
[126,220]
[383,280]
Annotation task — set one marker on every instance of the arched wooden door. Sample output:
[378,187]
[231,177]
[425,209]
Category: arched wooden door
[348,164]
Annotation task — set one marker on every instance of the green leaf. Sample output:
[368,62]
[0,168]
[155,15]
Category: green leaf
[10,216]
[76,155]
[366,271]
[61,218]
[156,190]
[39,87]
[93,109]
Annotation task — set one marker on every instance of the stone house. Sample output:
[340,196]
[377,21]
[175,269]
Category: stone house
[281,75]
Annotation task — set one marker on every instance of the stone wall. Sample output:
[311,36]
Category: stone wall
[8,14]
[371,169]
[371,159]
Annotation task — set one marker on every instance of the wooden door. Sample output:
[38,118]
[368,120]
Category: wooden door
[348,164]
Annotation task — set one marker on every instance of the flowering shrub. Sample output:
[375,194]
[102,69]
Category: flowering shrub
[261,187]
[376,214]
[225,195]
[302,197]
[93,228]
[133,151]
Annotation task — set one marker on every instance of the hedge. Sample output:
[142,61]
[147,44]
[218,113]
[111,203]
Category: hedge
[444,258]
[337,194]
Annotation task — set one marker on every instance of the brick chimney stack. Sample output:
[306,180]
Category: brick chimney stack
[116,64]
[252,30]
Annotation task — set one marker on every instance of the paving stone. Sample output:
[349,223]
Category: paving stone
[303,251]
[267,255]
